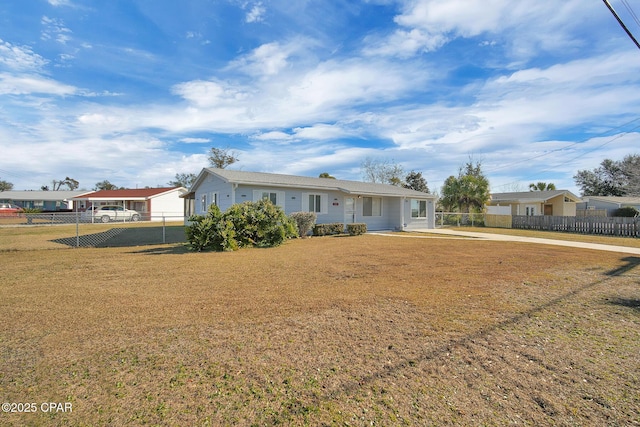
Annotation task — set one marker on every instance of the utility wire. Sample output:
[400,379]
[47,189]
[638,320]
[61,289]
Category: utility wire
[563,148]
[631,12]
[624,27]
[576,157]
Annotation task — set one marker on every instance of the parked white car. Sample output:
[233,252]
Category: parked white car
[110,213]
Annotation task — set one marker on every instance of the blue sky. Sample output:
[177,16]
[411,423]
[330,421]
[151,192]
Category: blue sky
[135,91]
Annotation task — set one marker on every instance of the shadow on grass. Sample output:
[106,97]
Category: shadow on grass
[633,303]
[165,250]
[467,340]
[632,262]
[127,237]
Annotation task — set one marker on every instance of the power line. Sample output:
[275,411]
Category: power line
[563,148]
[624,27]
[576,157]
[631,12]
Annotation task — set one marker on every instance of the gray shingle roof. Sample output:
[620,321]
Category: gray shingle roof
[625,200]
[280,180]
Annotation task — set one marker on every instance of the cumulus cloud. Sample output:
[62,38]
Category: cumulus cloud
[427,25]
[267,59]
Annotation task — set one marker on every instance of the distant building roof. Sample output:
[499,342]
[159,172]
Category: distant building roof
[41,195]
[129,194]
[281,180]
[532,196]
[620,200]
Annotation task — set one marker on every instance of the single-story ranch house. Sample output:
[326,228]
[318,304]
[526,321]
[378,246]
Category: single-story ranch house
[380,206]
[43,200]
[608,203]
[153,204]
[530,203]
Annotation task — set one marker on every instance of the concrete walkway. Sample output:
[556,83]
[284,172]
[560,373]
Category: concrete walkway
[507,238]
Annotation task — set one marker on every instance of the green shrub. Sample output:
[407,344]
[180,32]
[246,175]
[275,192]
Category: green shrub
[259,224]
[328,229]
[305,221]
[627,211]
[356,229]
[31,210]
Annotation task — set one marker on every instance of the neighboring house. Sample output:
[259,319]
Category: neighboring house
[606,203]
[556,202]
[380,206]
[43,200]
[152,203]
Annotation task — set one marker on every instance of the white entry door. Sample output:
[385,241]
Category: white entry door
[349,210]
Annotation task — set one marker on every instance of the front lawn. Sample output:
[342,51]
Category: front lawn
[366,330]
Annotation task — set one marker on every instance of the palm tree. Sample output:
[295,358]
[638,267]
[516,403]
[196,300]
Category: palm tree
[542,186]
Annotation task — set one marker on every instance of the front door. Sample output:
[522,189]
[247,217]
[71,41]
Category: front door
[349,210]
[548,209]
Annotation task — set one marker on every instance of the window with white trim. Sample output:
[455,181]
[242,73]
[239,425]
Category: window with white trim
[315,202]
[206,200]
[275,197]
[418,208]
[372,206]
[203,203]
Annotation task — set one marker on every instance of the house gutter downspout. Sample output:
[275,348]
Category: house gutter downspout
[234,187]
[402,222]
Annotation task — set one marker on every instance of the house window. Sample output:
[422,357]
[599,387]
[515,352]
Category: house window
[312,202]
[275,197]
[530,210]
[418,208]
[315,203]
[271,196]
[207,200]
[371,206]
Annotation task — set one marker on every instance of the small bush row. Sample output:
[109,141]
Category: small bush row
[356,229]
[328,229]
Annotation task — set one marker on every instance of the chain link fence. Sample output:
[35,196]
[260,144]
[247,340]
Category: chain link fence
[72,229]
[457,219]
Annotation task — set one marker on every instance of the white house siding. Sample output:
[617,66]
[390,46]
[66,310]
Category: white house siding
[167,205]
[411,223]
[296,200]
[210,187]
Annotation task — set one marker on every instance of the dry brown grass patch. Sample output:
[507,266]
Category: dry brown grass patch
[323,331]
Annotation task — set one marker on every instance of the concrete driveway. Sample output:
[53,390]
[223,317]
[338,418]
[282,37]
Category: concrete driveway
[507,238]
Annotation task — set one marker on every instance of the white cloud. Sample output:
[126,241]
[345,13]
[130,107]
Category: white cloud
[267,59]
[256,14]
[29,84]
[321,132]
[405,43]
[209,93]
[20,58]
[54,29]
[525,26]
[57,3]
[195,140]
